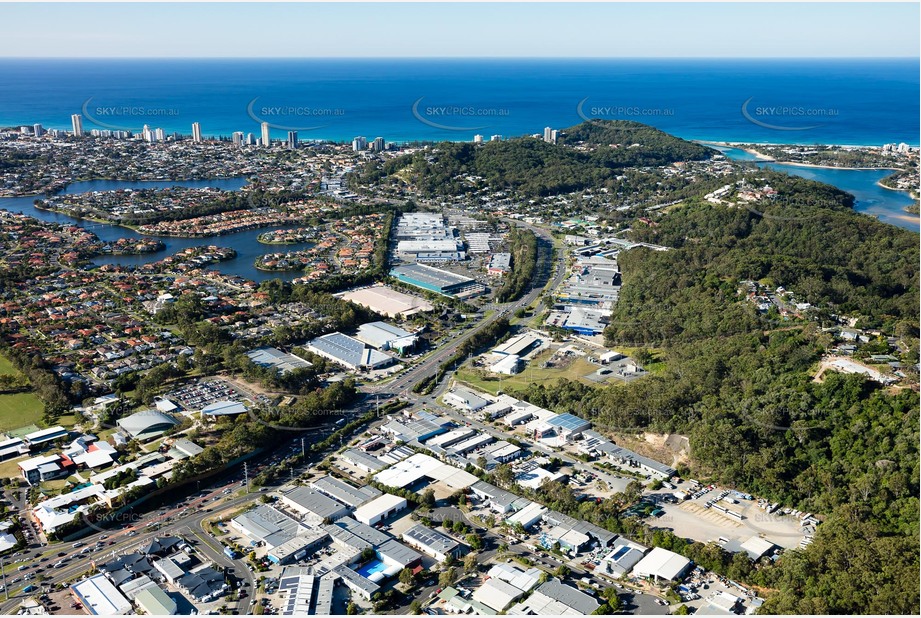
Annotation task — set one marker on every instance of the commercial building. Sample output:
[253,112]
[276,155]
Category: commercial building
[312,506]
[224,408]
[386,301]
[420,466]
[528,516]
[507,365]
[348,352]
[623,457]
[499,264]
[433,543]
[363,461]
[566,426]
[146,425]
[196,132]
[432,250]
[621,560]
[76,123]
[519,345]
[383,336]
[154,601]
[352,497]
[521,579]
[379,509]
[464,399]
[305,592]
[497,594]
[661,564]
[267,525]
[437,280]
[360,585]
[100,597]
[420,430]
[275,358]
[554,598]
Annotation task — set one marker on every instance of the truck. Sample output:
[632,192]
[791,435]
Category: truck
[28,589]
[230,553]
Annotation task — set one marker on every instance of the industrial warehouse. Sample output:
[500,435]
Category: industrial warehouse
[437,280]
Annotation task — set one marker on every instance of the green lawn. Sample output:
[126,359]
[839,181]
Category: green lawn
[576,370]
[6,367]
[10,468]
[18,409]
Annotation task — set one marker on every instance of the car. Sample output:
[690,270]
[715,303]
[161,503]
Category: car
[132,533]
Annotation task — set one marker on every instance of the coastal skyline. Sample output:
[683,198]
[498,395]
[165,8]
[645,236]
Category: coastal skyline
[442,30]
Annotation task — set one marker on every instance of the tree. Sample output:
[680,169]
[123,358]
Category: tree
[428,498]
[351,609]
[447,577]
[406,577]
[470,563]
[682,610]
[367,554]
[415,607]
[562,571]
[474,541]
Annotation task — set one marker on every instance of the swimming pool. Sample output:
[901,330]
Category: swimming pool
[372,568]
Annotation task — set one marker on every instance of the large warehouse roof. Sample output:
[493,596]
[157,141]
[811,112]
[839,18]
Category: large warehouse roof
[100,597]
[146,422]
[410,470]
[273,357]
[347,351]
[661,564]
[387,301]
[345,493]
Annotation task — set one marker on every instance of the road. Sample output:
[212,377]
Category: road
[429,366]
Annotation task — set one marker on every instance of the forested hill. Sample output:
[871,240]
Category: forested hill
[587,156]
[806,239]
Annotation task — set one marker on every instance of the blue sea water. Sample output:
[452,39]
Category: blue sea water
[853,101]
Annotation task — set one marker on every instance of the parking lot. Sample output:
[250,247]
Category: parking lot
[693,519]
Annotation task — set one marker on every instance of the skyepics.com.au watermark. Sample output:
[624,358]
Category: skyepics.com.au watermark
[618,111]
[118,117]
[787,117]
[133,111]
[446,117]
[292,117]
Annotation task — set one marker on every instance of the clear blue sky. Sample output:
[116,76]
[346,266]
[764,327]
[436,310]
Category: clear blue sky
[460,30]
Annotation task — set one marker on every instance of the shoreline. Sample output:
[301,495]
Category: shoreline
[763,158]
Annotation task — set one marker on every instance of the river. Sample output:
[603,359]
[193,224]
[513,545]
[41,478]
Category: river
[245,243]
[871,199]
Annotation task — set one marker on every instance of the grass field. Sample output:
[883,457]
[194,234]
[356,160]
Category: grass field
[6,367]
[533,373]
[18,409]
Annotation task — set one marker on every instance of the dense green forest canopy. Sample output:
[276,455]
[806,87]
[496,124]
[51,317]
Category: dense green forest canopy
[807,240]
[588,155]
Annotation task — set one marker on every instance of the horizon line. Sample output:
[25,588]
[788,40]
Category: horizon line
[386,58]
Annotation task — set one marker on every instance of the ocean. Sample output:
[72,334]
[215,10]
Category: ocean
[865,102]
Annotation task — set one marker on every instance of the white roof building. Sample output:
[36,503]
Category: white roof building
[661,564]
[349,352]
[497,594]
[100,597]
[528,516]
[383,336]
[379,509]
